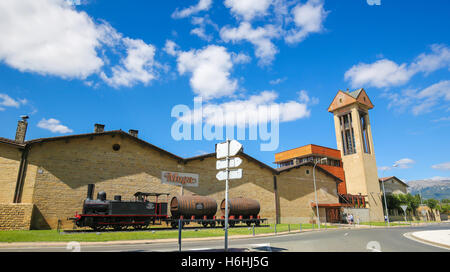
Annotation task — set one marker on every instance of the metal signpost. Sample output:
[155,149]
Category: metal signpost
[404,210]
[224,151]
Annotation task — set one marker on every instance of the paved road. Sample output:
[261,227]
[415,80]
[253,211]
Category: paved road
[342,240]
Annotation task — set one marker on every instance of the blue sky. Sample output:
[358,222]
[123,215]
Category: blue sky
[70,64]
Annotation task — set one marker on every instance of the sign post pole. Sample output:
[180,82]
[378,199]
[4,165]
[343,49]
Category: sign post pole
[226,152]
[226,196]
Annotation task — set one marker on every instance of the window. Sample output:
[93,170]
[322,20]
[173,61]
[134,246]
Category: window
[364,133]
[347,134]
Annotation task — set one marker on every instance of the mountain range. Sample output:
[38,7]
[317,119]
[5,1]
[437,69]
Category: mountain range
[437,188]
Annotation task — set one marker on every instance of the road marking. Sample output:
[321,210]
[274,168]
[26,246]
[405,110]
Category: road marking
[346,234]
[266,245]
[373,246]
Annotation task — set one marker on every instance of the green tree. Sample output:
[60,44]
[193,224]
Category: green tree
[432,203]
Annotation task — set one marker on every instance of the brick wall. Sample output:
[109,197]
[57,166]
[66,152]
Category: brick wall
[15,216]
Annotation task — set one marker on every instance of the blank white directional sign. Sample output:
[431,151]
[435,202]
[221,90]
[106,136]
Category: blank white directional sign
[234,162]
[403,207]
[222,149]
[233,174]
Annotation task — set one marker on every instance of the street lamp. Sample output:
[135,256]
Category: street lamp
[315,190]
[384,195]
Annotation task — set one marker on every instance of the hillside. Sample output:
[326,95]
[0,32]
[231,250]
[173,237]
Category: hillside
[437,188]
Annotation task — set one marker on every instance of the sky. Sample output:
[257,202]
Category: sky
[69,64]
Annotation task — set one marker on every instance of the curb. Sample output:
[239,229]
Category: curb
[410,235]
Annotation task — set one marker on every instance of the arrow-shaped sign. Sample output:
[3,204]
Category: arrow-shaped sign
[222,149]
[234,162]
[232,174]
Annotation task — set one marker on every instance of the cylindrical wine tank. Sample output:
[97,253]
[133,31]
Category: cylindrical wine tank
[241,207]
[193,205]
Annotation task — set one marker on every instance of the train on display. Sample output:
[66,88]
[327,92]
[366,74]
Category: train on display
[146,210]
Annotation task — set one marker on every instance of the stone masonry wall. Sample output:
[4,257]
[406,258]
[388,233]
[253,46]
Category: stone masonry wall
[15,216]
[296,193]
[9,168]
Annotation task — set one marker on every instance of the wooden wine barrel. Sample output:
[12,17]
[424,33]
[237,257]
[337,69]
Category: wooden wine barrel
[193,205]
[241,206]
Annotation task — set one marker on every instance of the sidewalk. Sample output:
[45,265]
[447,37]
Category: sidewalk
[435,237]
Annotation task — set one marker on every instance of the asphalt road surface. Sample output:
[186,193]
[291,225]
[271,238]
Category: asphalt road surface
[342,240]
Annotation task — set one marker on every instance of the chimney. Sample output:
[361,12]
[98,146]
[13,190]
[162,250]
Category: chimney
[98,128]
[133,132]
[21,129]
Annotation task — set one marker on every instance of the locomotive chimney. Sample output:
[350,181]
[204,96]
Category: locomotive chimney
[21,129]
[98,128]
[90,192]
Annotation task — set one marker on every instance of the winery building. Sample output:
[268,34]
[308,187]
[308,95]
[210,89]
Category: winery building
[44,181]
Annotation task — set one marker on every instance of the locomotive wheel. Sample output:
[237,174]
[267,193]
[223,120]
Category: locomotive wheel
[205,224]
[212,224]
[174,224]
[231,223]
[137,227]
[257,223]
[249,223]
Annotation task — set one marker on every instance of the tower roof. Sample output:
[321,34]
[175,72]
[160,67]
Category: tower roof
[345,98]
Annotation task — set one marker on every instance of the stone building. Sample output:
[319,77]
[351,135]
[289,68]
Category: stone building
[393,185]
[44,181]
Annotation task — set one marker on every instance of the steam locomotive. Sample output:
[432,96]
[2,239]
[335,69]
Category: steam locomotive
[100,214]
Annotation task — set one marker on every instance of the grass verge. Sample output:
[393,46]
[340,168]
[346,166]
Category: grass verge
[54,236]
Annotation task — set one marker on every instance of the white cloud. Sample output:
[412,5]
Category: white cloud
[54,126]
[404,163]
[48,37]
[384,168]
[303,97]
[171,48]
[256,109]
[442,166]
[387,73]
[421,101]
[427,63]
[210,68]
[442,119]
[248,9]
[200,30]
[260,37]
[277,81]
[138,66]
[186,12]
[240,58]
[7,101]
[308,18]
[382,73]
